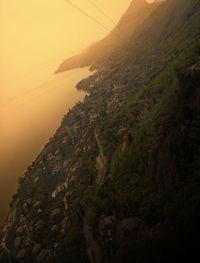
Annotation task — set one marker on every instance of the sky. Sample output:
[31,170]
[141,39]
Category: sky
[35,33]
[36,36]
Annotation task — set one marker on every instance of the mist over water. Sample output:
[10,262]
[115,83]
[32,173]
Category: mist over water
[36,36]
[28,120]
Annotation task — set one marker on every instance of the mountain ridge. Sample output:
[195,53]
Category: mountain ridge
[120,33]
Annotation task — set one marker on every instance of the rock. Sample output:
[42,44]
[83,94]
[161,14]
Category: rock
[21,254]
[18,241]
[36,249]
[43,254]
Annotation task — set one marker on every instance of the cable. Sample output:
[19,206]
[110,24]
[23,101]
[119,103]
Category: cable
[96,21]
[106,16]
[24,94]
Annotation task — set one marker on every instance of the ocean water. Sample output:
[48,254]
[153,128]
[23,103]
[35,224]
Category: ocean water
[29,116]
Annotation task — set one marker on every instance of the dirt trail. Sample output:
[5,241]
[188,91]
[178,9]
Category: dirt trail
[100,162]
[94,250]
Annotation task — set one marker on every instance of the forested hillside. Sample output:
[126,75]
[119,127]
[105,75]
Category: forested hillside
[120,179]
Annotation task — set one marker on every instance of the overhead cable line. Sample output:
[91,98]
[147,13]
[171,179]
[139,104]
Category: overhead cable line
[24,94]
[108,18]
[95,20]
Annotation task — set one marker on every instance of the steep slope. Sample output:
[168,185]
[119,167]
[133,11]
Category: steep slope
[98,52]
[119,181]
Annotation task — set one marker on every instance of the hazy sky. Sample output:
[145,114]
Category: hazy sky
[36,36]
[34,33]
